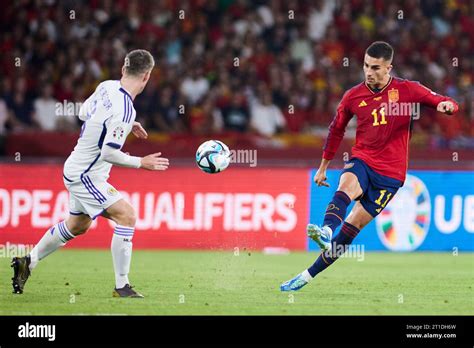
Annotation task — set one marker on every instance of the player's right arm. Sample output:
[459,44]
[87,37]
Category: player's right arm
[117,132]
[334,138]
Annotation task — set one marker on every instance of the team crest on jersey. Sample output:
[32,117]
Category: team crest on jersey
[393,95]
[112,191]
[118,133]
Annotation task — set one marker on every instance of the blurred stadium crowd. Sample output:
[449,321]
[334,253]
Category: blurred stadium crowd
[235,65]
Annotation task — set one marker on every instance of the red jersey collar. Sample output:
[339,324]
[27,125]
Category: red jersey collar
[388,84]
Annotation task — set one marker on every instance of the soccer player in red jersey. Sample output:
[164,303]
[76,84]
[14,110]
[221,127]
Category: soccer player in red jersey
[385,107]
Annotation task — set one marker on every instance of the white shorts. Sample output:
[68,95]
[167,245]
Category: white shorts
[90,196]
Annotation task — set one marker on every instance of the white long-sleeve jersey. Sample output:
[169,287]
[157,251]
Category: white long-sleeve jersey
[108,116]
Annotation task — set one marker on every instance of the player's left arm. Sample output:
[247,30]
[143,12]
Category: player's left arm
[426,96]
[139,131]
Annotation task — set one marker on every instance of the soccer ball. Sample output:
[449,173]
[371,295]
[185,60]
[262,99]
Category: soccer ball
[213,156]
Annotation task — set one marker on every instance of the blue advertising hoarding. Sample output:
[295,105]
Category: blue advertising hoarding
[433,211]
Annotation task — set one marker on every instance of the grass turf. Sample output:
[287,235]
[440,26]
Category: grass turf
[220,283]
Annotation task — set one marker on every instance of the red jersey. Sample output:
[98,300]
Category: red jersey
[383,123]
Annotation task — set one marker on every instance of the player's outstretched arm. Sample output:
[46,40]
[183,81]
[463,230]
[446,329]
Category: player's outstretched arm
[151,162]
[320,176]
[154,162]
[117,131]
[426,96]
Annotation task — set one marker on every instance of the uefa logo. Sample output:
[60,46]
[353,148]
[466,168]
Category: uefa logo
[404,223]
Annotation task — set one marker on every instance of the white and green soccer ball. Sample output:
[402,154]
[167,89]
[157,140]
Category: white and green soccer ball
[213,156]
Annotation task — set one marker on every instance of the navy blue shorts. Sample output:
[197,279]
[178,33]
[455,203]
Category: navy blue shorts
[377,189]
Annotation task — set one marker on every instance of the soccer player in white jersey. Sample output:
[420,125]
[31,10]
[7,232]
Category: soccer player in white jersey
[108,116]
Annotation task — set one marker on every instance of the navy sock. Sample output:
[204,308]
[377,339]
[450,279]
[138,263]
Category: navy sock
[340,243]
[336,210]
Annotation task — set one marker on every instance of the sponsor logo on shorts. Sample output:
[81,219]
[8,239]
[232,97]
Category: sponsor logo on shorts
[348,165]
[111,191]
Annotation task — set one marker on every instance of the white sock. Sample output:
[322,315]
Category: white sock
[122,254]
[306,276]
[56,237]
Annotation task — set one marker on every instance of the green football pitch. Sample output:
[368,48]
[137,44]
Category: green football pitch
[222,283]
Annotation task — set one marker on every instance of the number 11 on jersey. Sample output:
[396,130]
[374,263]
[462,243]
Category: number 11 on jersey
[376,118]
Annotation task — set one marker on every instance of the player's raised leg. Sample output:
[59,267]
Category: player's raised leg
[54,238]
[348,190]
[357,219]
[123,214]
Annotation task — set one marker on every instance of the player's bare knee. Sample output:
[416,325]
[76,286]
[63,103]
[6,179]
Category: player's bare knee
[78,232]
[354,221]
[122,213]
[131,220]
[78,229]
[359,217]
[128,218]
[351,192]
[349,184]
[78,225]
